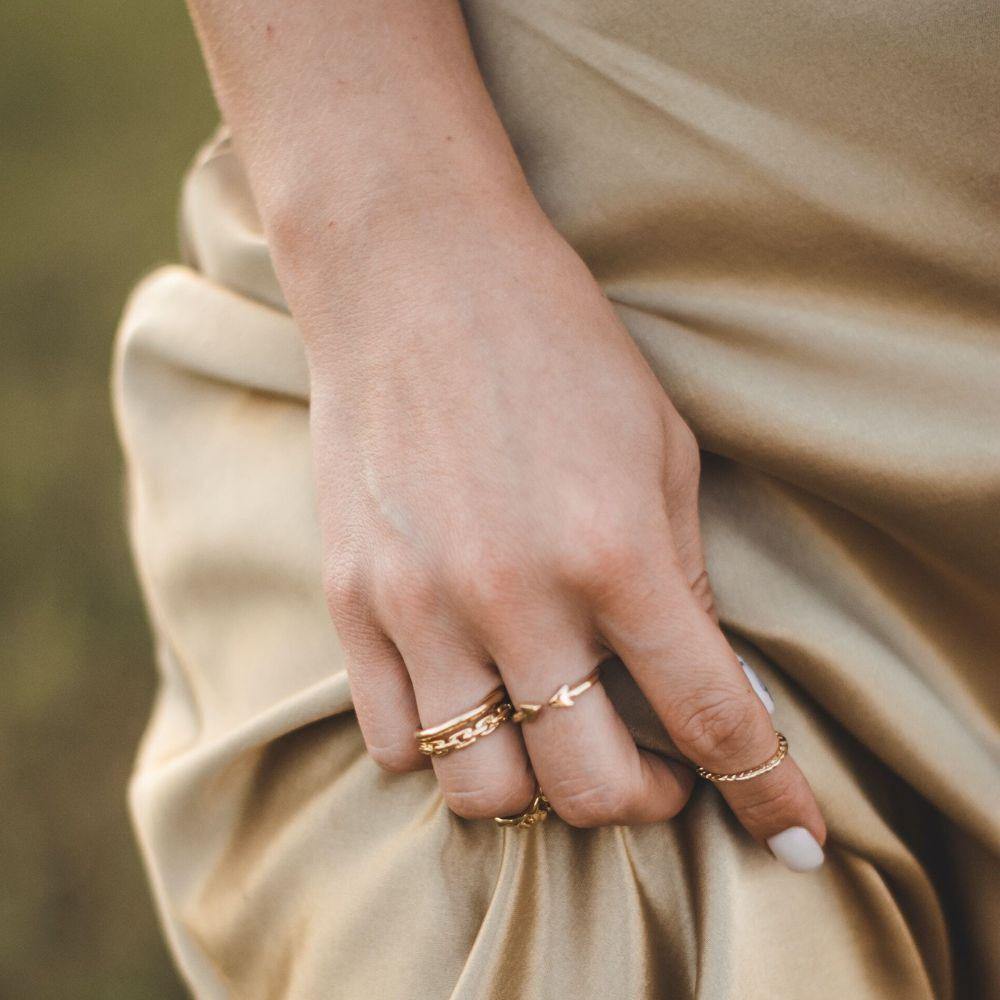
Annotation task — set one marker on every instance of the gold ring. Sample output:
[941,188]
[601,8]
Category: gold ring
[536,813]
[463,730]
[751,772]
[565,697]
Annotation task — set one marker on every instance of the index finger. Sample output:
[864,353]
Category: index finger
[693,680]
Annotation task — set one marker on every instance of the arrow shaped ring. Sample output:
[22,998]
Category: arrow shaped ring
[565,697]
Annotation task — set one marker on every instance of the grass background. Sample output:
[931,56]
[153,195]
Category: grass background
[102,104]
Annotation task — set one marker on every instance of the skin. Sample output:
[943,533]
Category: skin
[506,493]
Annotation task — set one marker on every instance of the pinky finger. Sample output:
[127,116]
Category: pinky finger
[384,703]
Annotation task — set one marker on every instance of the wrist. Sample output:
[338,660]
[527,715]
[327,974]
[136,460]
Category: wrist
[417,270]
[322,221]
[347,263]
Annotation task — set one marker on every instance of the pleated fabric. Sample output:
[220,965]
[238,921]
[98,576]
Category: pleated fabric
[794,208]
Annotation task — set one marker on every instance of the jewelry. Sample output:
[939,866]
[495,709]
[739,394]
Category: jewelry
[751,772]
[463,730]
[565,697]
[537,812]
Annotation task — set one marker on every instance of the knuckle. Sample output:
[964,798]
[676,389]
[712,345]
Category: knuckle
[599,803]
[684,459]
[715,724]
[701,587]
[396,758]
[344,586]
[771,802]
[406,589]
[348,602]
[470,803]
[486,801]
[489,580]
[599,555]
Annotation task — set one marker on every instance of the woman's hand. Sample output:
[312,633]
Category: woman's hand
[506,493]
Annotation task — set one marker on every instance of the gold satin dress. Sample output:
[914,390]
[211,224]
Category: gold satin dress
[796,211]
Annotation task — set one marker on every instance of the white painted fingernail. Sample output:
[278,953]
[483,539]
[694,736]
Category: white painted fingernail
[758,685]
[796,848]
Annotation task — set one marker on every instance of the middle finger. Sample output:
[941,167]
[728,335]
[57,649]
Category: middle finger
[585,759]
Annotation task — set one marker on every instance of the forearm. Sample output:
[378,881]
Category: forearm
[349,113]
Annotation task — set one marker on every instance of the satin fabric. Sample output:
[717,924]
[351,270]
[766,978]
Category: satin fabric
[794,209]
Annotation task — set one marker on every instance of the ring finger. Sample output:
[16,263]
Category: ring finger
[491,776]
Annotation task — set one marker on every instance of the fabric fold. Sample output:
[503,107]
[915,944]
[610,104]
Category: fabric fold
[817,294]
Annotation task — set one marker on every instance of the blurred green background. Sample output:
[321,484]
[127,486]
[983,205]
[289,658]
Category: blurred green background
[102,104]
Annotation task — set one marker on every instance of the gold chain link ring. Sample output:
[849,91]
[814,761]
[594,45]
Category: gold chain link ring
[463,730]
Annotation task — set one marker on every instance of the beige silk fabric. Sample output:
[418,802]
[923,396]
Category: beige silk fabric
[795,209]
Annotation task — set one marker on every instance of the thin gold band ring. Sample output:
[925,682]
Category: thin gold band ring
[496,696]
[751,772]
[565,697]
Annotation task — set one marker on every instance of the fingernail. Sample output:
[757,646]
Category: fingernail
[758,685]
[796,848]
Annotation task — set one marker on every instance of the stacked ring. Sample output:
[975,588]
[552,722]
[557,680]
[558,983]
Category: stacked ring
[463,730]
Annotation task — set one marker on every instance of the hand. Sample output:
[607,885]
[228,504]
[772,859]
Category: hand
[506,494]
[505,490]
